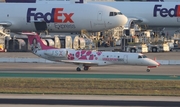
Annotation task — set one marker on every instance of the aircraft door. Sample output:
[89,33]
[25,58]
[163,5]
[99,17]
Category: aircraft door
[66,54]
[40,26]
[99,16]
[178,19]
[126,59]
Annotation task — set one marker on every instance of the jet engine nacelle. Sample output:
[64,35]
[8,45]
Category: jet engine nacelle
[60,53]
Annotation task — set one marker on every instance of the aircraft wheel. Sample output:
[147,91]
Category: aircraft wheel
[148,70]
[154,49]
[86,68]
[133,50]
[78,69]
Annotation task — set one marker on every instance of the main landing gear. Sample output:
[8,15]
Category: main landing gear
[86,68]
[148,70]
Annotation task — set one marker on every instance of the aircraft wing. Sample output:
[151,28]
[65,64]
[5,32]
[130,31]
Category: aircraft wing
[85,63]
[5,23]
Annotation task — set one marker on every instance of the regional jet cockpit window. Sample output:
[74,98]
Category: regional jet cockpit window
[139,56]
[142,56]
[115,13]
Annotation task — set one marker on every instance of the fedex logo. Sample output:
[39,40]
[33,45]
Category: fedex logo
[56,15]
[164,12]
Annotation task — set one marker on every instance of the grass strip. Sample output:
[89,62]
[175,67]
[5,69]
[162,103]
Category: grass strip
[90,87]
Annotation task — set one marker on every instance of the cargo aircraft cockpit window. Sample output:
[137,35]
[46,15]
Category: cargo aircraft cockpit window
[111,14]
[119,13]
[115,13]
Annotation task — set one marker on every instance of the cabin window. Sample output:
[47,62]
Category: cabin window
[118,56]
[115,13]
[107,56]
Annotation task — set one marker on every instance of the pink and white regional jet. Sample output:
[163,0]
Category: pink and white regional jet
[87,58]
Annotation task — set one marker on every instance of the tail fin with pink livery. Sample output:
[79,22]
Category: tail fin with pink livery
[36,42]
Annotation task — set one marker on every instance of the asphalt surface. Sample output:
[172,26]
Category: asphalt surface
[148,101]
[71,69]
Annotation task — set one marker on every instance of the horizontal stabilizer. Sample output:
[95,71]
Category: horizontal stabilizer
[29,33]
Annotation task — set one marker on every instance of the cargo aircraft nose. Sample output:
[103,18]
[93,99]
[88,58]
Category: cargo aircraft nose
[122,20]
[117,19]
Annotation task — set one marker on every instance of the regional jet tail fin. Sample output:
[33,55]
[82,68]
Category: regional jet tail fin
[36,42]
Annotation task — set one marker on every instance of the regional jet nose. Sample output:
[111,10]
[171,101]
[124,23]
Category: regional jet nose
[153,63]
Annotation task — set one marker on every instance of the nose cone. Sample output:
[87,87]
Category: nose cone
[153,63]
[121,20]
[117,21]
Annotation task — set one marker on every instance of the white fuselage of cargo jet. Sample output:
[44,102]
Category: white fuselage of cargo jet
[151,14]
[59,17]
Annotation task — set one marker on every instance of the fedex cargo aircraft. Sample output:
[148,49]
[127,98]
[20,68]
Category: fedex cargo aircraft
[59,17]
[87,58]
[152,14]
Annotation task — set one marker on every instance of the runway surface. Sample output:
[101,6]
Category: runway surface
[71,69]
[90,100]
